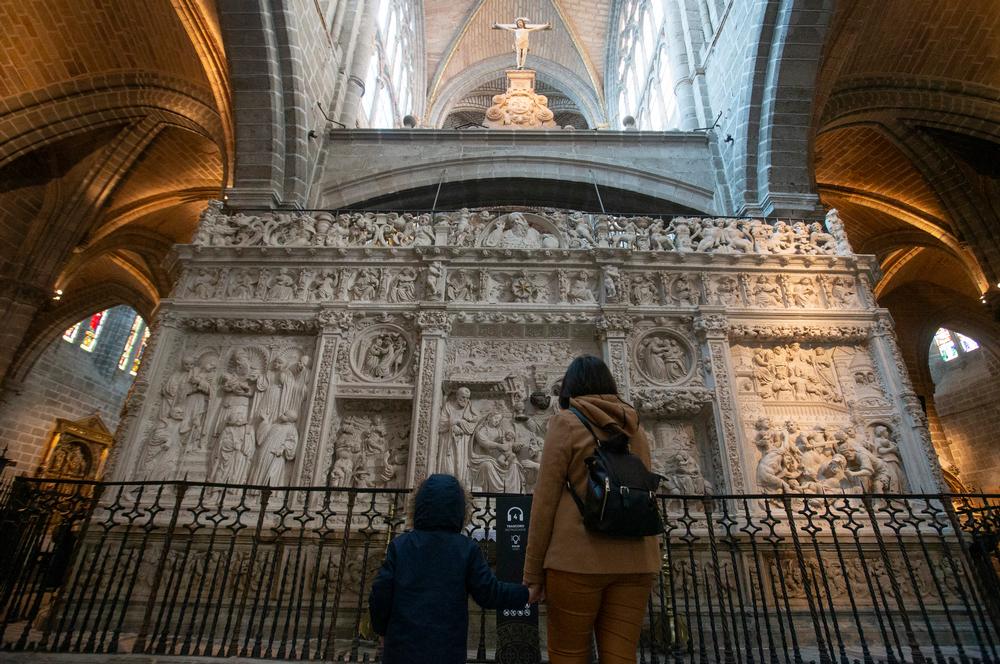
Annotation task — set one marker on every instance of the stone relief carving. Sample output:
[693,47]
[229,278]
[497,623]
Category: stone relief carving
[794,373]
[513,231]
[381,353]
[663,358]
[456,427]
[548,228]
[471,282]
[369,451]
[235,421]
[826,459]
[462,286]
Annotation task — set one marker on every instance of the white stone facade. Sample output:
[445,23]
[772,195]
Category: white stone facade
[372,349]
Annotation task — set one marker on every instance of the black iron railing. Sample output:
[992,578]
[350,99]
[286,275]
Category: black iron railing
[194,569]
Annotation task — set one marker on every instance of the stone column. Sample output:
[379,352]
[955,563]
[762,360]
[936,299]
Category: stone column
[712,328]
[335,326]
[612,331]
[357,67]
[920,460]
[161,352]
[682,69]
[427,394]
[19,302]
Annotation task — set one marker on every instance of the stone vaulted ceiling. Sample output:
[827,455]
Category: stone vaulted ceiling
[463,52]
[115,129]
[907,119]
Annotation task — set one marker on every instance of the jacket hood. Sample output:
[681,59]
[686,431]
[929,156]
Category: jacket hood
[604,410]
[440,504]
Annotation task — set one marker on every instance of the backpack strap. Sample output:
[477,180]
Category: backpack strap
[585,423]
[597,442]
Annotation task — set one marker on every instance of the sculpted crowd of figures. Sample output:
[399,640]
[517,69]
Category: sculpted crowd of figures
[438,282]
[365,349]
[826,459]
[242,418]
[544,229]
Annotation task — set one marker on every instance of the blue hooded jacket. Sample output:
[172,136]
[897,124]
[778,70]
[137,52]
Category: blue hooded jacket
[419,599]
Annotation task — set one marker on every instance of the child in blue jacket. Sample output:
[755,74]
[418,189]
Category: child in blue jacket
[419,599]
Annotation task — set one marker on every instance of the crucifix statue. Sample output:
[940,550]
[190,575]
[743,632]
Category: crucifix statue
[521,28]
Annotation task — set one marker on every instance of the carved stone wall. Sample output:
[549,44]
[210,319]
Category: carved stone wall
[751,348]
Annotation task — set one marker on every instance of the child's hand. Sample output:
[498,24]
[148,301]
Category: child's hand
[536,594]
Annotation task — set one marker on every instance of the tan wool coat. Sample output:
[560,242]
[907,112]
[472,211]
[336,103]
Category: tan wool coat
[556,536]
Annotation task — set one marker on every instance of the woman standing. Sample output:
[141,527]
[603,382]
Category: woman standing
[592,583]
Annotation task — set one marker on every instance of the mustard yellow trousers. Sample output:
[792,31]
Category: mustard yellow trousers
[610,606]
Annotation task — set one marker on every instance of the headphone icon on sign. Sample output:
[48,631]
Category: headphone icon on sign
[515,515]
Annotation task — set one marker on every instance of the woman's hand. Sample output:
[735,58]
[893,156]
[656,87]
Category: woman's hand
[536,593]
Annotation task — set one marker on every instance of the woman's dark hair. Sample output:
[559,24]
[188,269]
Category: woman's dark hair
[585,375]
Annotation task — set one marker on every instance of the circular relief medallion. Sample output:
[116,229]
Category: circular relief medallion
[381,353]
[664,358]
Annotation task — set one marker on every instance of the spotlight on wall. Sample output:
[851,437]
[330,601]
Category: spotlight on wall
[628,122]
[409,122]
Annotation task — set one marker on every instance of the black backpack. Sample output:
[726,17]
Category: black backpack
[620,500]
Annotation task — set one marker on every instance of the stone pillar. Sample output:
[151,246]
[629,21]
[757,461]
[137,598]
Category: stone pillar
[427,394]
[679,61]
[19,302]
[335,325]
[920,460]
[612,332]
[712,328]
[130,437]
[357,66]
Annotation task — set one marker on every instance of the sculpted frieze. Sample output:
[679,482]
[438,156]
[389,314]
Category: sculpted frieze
[250,325]
[538,229]
[469,356]
[791,332]
[677,402]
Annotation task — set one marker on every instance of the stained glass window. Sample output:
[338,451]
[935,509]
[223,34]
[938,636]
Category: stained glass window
[92,330]
[133,335]
[951,344]
[138,354]
[70,334]
[967,343]
[945,345]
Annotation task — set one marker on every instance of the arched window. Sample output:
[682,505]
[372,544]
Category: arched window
[124,361]
[645,83]
[951,345]
[70,334]
[389,82]
[138,354]
[92,330]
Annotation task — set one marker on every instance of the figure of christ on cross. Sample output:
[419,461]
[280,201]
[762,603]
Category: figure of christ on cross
[521,28]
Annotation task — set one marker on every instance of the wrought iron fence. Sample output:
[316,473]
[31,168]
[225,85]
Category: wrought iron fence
[194,569]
